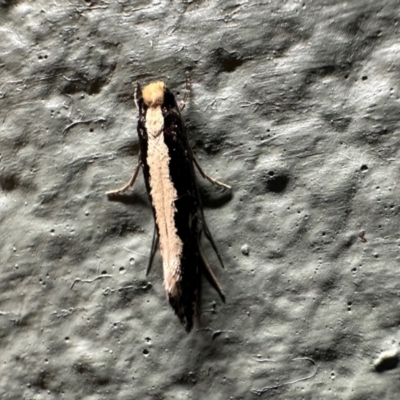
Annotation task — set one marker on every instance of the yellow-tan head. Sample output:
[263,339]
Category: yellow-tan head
[153,94]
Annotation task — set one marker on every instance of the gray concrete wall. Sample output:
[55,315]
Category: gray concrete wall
[296,105]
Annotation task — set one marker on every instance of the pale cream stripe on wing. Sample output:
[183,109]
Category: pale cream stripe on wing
[163,195]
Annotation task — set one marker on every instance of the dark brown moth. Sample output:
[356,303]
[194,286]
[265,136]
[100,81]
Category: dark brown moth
[168,164]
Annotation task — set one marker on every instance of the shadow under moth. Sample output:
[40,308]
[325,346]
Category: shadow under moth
[168,165]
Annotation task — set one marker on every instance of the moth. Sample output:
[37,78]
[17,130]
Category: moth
[168,165]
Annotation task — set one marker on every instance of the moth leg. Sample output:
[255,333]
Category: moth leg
[154,245]
[182,103]
[210,275]
[205,176]
[129,184]
[211,240]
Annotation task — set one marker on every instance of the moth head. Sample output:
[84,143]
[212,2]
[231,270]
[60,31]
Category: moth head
[153,94]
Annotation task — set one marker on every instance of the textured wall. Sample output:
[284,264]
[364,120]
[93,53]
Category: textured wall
[296,105]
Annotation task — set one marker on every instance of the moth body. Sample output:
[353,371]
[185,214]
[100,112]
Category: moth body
[168,168]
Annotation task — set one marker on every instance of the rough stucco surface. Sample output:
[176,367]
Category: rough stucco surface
[296,105]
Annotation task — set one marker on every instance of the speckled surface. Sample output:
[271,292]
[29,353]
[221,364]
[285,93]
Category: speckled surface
[294,104]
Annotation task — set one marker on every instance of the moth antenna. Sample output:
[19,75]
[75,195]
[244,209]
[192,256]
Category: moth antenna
[188,87]
[137,92]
